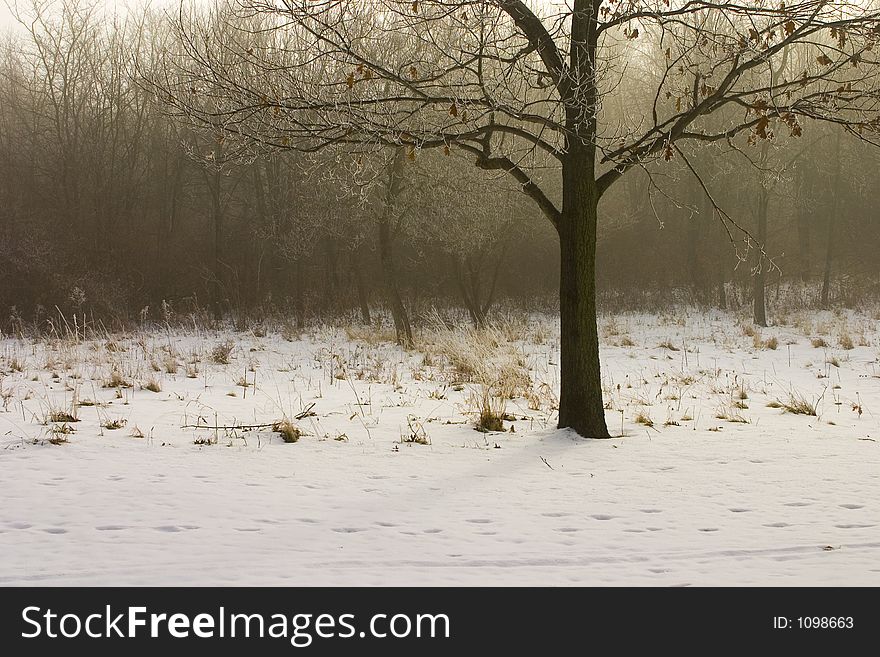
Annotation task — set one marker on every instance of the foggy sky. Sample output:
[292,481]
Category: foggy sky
[8,22]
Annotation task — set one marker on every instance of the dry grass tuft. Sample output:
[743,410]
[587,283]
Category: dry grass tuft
[643,418]
[371,335]
[116,380]
[487,409]
[290,433]
[415,433]
[483,356]
[222,352]
[798,405]
[58,415]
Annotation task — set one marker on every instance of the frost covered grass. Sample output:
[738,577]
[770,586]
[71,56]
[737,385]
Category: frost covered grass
[739,455]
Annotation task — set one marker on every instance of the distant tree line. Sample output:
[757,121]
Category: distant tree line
[114,206]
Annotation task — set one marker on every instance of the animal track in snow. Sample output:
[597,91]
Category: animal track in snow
[18,524]
[173,529]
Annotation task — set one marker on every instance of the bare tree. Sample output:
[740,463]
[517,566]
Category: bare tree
[521,87]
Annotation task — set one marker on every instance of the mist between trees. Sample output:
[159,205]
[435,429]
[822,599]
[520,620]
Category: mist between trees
[316,160]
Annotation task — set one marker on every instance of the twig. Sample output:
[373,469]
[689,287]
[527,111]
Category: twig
[306,412]
[232,427]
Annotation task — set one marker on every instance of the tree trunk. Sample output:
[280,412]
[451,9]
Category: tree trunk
[298,309]
[693,263]
[580,402]
[490,295]
[759,276]
[802,219]
[402,325]
[832,225]
[694,224]
[469,293]
[216,265]
[216,191]
[803,230]
[168,207]
[398,311]
[363,299]
[330,298]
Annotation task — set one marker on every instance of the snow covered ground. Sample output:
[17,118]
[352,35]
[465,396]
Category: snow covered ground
[390,483]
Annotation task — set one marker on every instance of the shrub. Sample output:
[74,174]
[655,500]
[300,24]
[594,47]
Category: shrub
[222,351]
